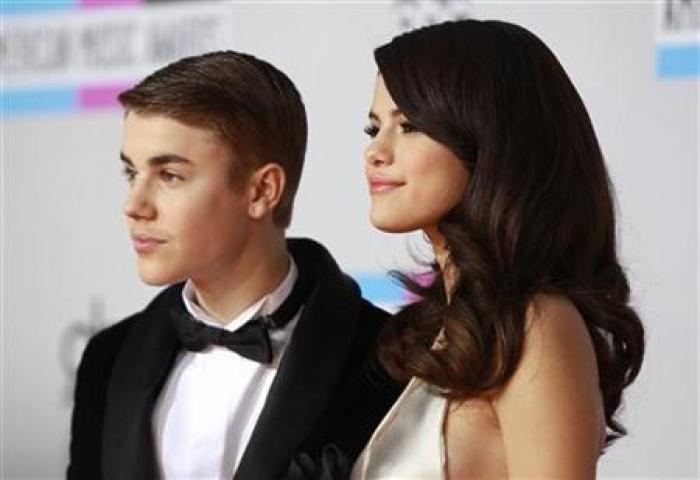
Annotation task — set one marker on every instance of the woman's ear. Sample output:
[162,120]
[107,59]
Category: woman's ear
[266,187]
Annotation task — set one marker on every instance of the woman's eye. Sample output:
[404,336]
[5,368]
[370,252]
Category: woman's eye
[371,131]
[408,128]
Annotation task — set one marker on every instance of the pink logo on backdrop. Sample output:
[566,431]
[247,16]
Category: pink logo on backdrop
[97,97]
[423,279]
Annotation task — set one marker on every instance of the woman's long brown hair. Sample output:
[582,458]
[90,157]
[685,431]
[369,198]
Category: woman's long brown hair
[536,217]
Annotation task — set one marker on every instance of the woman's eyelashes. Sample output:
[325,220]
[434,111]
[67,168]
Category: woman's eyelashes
[371,130]
[406,127]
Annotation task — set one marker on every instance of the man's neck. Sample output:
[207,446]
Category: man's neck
[257,271]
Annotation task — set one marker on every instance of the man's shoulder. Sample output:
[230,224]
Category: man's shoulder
[372,319]
[108,341]
[110,338]
[372,312]
[335,288]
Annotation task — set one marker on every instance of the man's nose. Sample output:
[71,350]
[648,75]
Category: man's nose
[139,204]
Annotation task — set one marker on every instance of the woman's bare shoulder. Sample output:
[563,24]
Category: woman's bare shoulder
[550,411]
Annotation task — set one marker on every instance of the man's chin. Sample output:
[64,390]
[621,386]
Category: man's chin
[159,278]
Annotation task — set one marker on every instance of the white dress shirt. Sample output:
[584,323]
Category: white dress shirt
[209,405]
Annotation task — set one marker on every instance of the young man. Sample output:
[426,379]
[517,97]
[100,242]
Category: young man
[257,362]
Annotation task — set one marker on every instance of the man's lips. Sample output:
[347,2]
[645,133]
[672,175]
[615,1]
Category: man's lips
[146,243]
[381,185]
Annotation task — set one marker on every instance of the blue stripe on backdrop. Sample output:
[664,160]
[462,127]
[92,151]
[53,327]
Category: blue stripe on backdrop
[380,288]
[45,100]
[9,7]
[675,61]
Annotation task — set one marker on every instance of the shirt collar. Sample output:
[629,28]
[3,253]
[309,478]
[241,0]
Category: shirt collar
[265,305]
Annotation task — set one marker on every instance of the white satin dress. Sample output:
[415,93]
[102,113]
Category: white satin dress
[395,451]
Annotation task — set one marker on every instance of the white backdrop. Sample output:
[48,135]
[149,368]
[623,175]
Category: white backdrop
[68,266]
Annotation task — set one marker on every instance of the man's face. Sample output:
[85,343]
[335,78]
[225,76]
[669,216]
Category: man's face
[185,218]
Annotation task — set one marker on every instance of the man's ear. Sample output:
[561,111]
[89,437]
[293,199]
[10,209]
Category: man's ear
[266,188]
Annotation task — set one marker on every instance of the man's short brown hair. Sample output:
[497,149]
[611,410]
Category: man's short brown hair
[255,108]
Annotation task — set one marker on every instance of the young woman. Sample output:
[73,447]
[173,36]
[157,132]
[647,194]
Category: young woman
[520,349]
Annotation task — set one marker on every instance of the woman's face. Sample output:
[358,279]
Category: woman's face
[414,181]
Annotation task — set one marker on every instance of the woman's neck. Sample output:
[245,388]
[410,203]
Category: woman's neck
[442,256]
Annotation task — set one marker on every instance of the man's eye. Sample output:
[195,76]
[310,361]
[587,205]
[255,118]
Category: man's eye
[129,173]
[170,177]
[371,130]
[408,128]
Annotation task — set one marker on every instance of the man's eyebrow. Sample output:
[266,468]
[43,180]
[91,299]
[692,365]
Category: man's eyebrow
[125,159]
[394,113]
[158,159]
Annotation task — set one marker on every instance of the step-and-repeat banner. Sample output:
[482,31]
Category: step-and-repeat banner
[67,265]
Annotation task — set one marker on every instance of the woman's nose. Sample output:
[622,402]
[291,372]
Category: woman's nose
[378,153]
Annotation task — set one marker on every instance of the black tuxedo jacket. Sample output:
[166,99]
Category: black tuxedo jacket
[329,388]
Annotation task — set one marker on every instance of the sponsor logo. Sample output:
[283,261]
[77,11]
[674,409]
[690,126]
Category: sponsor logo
[71,57]
[678,38]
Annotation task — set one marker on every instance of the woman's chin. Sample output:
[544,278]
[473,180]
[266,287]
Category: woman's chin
[390,225]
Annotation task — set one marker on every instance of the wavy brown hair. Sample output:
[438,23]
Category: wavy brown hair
[537,215]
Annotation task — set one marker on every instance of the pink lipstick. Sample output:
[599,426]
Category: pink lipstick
[383,185]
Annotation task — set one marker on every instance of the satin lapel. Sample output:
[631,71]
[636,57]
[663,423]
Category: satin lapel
[140,370]
[310,369]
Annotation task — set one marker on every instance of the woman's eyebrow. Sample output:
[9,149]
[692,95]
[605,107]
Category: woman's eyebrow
[394,113]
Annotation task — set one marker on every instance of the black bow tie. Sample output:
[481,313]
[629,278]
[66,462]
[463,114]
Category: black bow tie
[252,340]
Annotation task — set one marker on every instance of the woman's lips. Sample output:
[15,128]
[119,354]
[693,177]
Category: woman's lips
[383,186]
[146,244]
